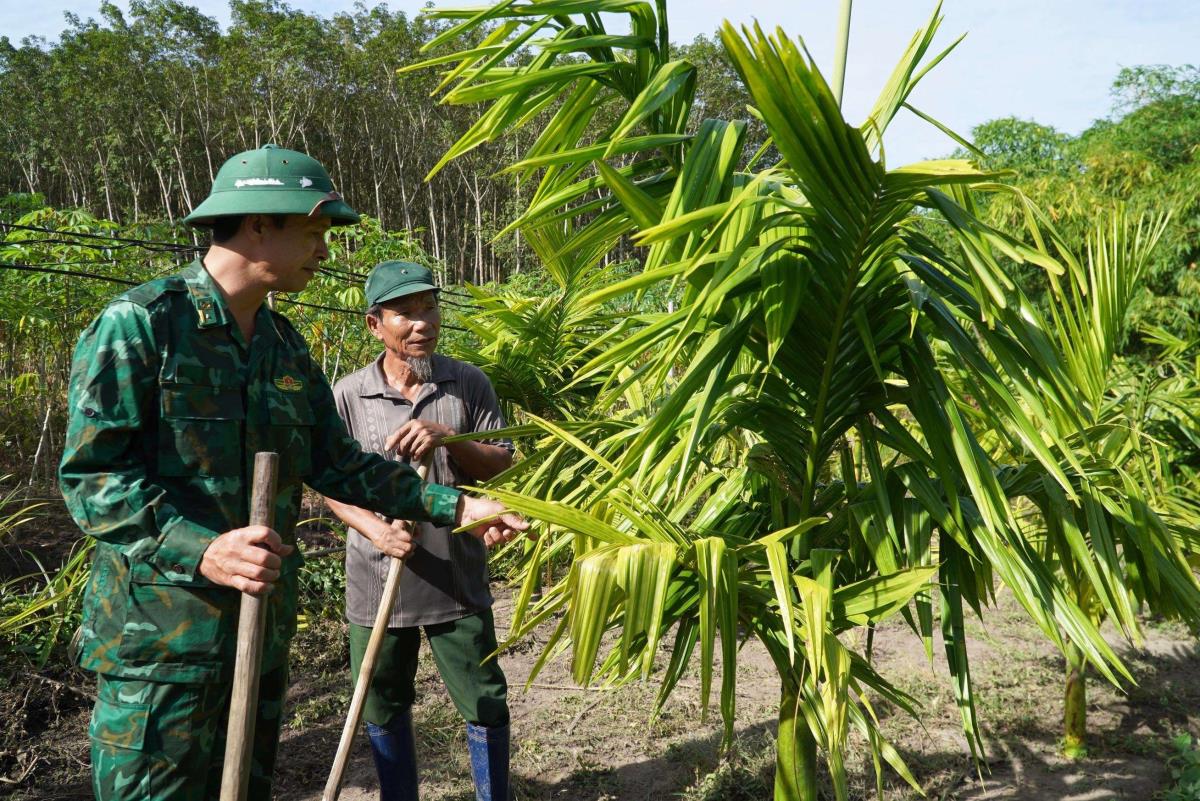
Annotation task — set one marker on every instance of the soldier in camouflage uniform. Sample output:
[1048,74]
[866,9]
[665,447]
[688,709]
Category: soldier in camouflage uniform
[173,389]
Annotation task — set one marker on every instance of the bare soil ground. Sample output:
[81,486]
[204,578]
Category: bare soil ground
[602,745]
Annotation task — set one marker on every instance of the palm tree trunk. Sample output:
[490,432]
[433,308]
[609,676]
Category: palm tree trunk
[1075,704]
[795,748]
[843,47]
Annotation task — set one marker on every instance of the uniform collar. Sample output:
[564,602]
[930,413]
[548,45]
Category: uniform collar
[211,308]
[375,383]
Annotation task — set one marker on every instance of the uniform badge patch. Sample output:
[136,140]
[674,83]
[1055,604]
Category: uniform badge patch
[289,384]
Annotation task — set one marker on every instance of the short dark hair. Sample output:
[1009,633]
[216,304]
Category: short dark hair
[226,228]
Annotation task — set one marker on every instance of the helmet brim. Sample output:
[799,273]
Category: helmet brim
[305,202]
[403,291]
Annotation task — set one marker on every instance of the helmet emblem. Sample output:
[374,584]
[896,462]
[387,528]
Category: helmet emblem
[240,182]
[305,183]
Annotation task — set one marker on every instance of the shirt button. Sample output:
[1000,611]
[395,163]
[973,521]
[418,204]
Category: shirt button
[89,412]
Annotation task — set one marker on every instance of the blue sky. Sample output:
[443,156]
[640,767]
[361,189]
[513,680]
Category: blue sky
[1048,60]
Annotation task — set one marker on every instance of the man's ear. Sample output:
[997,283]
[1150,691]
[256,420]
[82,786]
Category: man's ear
[373,325]
[255,225]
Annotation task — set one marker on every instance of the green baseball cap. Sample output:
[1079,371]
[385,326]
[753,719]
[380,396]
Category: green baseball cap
[395,279]
[272,180]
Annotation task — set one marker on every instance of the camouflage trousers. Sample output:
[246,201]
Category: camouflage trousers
[162,741]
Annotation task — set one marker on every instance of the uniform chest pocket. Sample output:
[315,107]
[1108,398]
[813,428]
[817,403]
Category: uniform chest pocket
[200,430]
[289,431]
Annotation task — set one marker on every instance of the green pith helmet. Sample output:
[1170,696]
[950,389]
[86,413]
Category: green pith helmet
[272,180]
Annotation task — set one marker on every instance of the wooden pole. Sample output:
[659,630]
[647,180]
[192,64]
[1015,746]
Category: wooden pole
[243,704]
[391,588]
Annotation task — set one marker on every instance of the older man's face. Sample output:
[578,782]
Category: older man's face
[409,326]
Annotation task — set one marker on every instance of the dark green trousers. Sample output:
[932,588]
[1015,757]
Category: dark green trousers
[161,741]
[478,689]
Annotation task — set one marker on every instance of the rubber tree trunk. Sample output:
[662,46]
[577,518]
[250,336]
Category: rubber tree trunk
[1075,704]
[795,749]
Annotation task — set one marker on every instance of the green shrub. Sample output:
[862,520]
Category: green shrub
[323,588]
[1184,765]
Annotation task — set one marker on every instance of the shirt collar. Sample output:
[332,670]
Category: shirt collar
[211,307]
[375,382]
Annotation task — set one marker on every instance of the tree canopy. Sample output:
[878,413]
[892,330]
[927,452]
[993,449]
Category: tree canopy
[1145,155]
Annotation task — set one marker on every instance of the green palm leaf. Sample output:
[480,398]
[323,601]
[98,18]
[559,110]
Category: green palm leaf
[840,411]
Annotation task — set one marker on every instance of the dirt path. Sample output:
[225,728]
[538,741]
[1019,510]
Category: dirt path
[602,745]
[572,742]
[1019,684]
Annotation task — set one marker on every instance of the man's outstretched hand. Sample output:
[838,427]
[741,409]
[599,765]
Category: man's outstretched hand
[496,526]
[247,559]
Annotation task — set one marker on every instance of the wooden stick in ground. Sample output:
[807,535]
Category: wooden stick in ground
[243,705]
[391,588]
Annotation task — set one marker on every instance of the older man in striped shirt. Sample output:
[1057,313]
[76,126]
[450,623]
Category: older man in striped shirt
[404,405]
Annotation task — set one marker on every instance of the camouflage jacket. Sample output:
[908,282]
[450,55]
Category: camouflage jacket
[167,407]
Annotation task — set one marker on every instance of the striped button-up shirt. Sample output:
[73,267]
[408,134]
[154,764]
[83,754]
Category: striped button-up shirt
[445,578]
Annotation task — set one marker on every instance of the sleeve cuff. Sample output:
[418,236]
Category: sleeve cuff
[440,503]
[180,549]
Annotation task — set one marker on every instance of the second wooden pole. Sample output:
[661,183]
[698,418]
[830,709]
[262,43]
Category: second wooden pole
[243,704]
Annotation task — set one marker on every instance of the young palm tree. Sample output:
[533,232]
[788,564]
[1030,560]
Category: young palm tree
[783,455]
[1123,542]
[531,344]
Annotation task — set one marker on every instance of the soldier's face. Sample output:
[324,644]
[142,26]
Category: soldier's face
[409,326]
[291,254]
